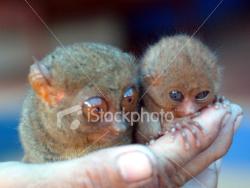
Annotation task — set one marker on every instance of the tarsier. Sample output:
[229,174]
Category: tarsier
[180,76]
[96,78]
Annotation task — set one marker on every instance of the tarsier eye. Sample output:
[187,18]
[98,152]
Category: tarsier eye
[129,100]
[176,95]
[94,108]
[202,95]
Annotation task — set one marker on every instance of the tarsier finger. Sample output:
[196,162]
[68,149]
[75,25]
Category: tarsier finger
[223,100]
[220,98]
[195,129]
[182,128]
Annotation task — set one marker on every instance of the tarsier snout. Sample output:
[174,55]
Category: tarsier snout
[118,128]
[187,108]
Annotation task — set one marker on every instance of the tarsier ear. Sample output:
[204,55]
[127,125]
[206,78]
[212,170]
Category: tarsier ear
[40,81]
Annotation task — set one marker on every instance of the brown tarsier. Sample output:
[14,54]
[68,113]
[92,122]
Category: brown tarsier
[180,76]
[74,87]
[95,79]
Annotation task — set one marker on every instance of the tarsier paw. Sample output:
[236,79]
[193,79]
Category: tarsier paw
[221,102]
[182,127]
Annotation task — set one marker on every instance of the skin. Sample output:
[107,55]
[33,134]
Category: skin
[153,164]
[81,74]
[180,76]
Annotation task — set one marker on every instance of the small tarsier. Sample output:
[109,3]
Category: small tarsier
[180,75]
[99,78]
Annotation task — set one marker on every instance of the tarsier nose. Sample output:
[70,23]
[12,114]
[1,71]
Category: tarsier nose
[118,126]
[187,108]
[188,112]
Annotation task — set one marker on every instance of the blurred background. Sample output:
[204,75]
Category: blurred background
[34,28]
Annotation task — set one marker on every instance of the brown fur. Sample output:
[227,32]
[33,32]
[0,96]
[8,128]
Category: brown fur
[76,73]
[178,63]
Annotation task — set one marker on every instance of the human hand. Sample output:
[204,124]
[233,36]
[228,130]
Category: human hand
[158,165]
[209,176]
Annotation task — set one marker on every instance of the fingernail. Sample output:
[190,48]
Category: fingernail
[134,166]
[237,122]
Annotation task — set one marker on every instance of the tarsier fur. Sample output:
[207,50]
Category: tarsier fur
[179,63]
[73,74]
[65,78]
